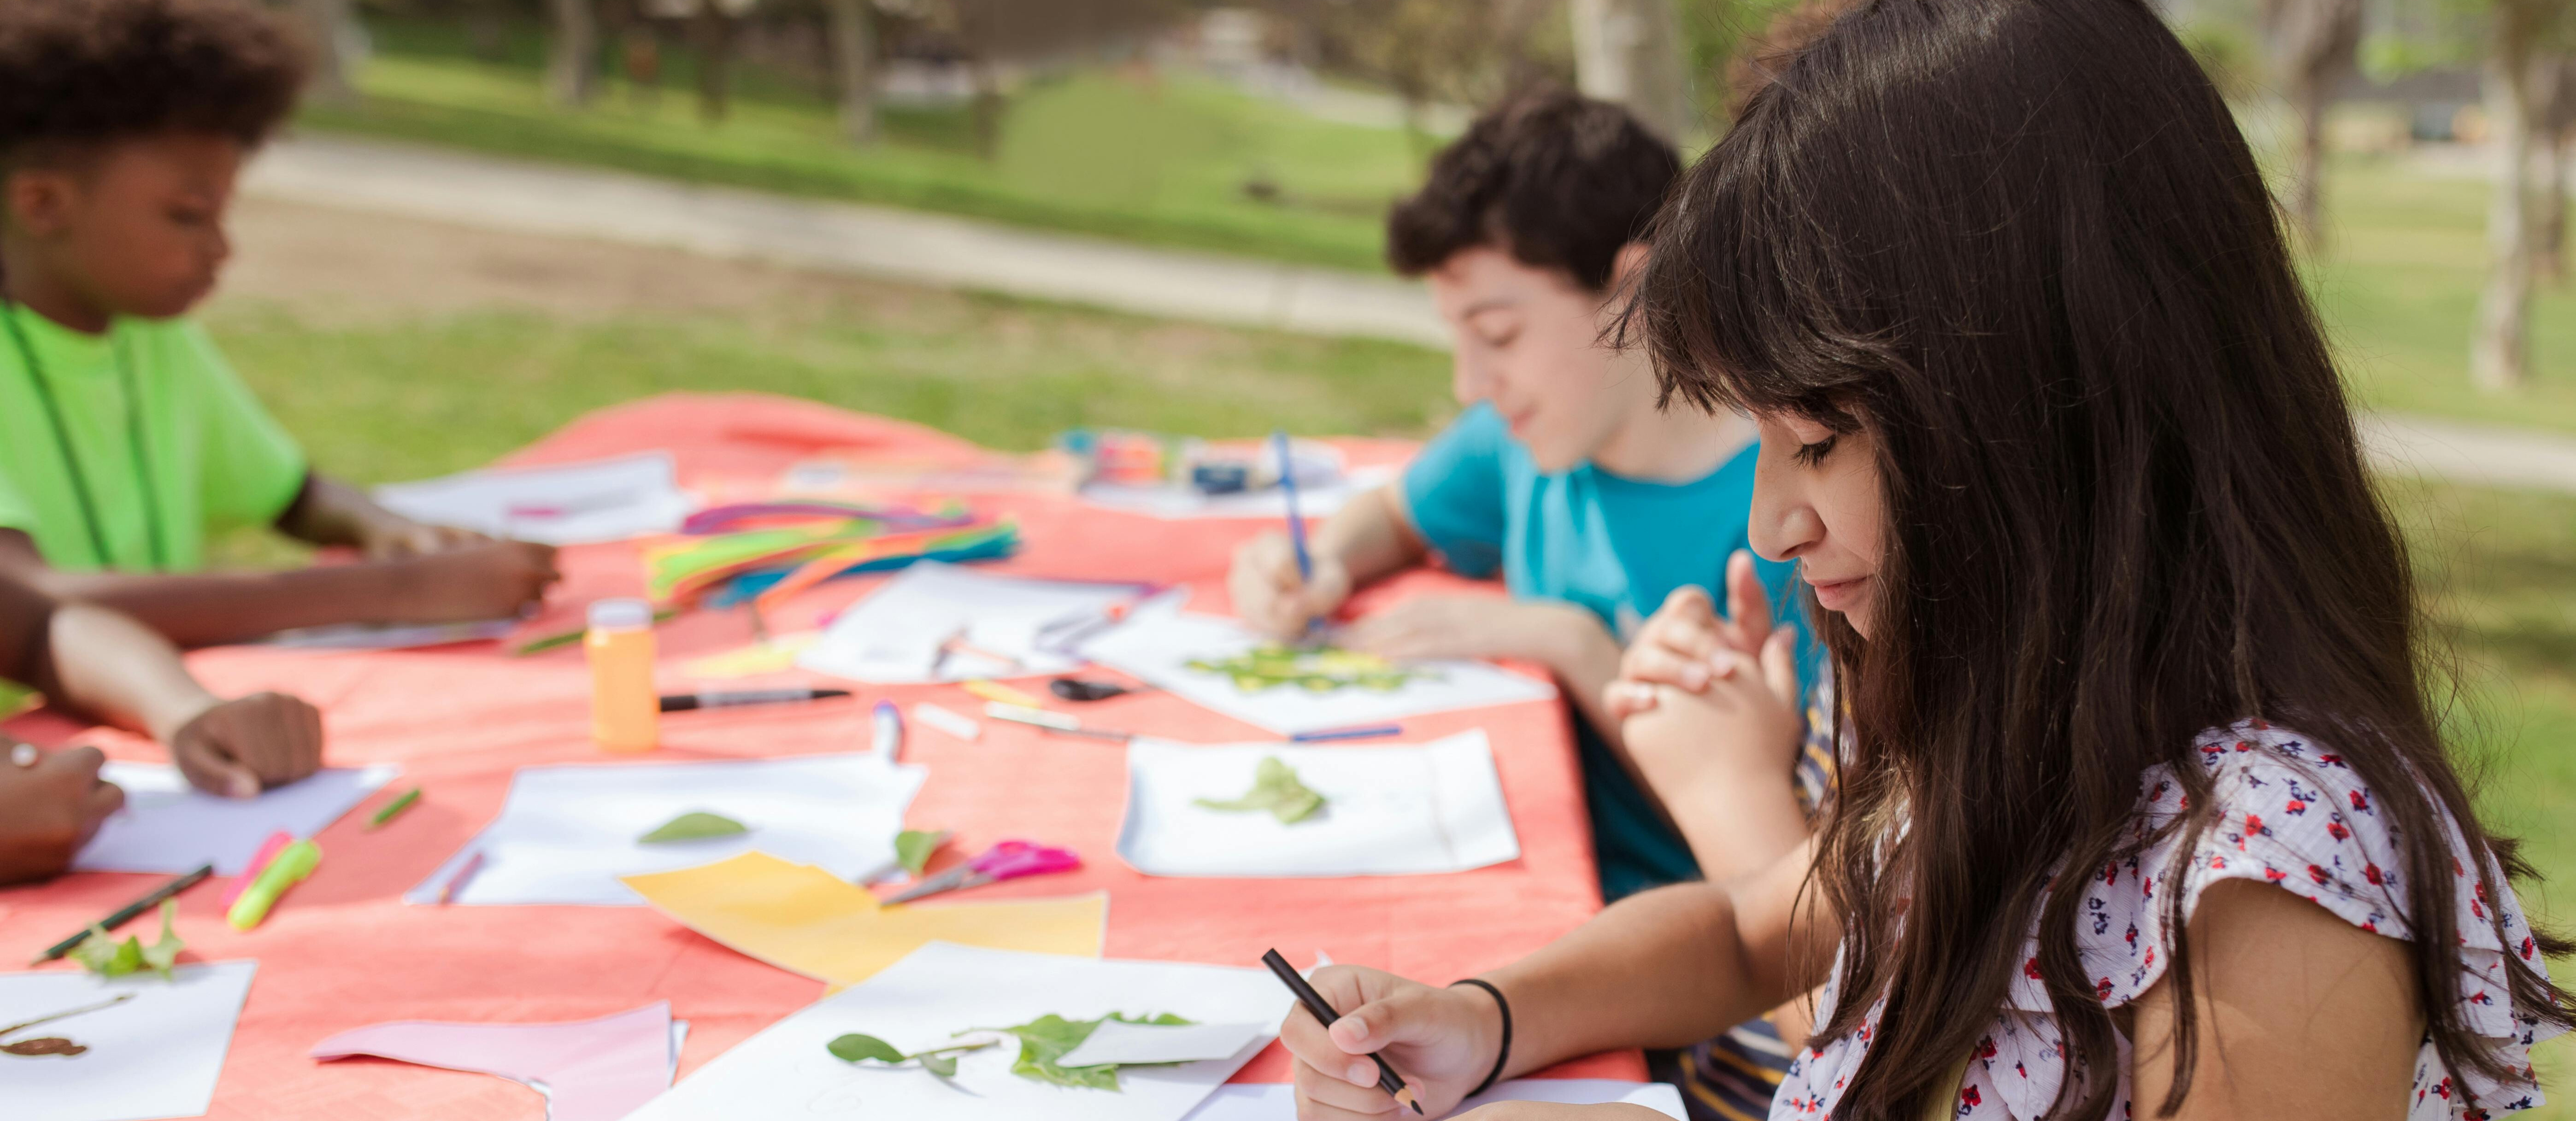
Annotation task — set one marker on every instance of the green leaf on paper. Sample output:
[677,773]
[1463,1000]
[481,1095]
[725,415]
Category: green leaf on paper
[102,954]
[1275,789]
[1316,669]
[696,825]
[855,1048]
[913,847]
[1051,1037]
[939,1061]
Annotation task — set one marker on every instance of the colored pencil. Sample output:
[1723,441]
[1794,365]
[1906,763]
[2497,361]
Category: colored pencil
[1332,734]
[393,809]
[457,882]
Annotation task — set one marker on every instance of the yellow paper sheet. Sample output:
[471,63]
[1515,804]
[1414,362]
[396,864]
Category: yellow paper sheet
[778,655]
[805,920]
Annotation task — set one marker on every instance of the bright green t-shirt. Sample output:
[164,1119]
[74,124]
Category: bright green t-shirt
[189,454]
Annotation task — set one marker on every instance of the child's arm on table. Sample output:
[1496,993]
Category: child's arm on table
[113,668]
[330,512]
[1663,968]
[483,581]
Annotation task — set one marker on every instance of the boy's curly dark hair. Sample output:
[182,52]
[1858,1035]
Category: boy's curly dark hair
[78,73]
[1557,180]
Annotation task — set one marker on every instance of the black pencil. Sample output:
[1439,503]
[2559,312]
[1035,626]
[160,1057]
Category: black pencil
[1322,1011]
[126,913]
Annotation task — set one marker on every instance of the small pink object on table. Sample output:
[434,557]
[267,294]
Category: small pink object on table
[593,1070]
[268,851]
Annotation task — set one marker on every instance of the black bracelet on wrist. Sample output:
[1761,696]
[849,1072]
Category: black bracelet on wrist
[1502,1055]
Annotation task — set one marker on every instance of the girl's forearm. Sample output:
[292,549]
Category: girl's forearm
[1372,536]
[116,669]
[1663,968]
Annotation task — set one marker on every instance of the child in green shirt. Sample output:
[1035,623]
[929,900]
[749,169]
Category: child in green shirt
[125,440]
[106,665]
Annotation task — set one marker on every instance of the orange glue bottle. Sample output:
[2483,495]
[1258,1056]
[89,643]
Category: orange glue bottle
[625,713]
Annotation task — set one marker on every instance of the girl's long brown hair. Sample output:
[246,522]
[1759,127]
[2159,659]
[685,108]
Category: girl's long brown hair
[2025,244]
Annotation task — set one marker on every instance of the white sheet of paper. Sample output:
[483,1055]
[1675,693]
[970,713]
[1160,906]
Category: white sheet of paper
[569,504]
[943,988]
[894,636]
[1121,1042]
[1158,641]
[1388,811]
[1174,503]
[566,833]
[156,1055]
[1277,1101]
[169,826]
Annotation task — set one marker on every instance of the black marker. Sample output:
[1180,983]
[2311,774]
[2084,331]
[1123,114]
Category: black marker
[684,702]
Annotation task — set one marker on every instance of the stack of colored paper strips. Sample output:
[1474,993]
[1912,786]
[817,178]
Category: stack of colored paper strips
[773,550]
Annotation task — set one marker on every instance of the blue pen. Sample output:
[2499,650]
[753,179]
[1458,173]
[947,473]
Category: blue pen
[889,731]
[1332,734]
[1296,524]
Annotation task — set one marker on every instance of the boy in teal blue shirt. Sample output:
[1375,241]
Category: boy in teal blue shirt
[1564,474]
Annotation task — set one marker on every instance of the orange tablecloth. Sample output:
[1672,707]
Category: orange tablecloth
[344,951]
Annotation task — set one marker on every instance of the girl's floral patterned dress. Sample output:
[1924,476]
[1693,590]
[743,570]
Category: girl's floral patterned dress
[2292,814]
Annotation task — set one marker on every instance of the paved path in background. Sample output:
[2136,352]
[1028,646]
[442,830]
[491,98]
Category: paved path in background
[871,241]
[946,252]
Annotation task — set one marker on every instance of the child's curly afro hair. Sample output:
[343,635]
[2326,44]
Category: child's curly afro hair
[78,73]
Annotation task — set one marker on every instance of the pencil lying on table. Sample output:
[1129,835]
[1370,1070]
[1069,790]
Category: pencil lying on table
[1323,1013]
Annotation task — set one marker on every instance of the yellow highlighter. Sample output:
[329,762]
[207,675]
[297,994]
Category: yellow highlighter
[293,863]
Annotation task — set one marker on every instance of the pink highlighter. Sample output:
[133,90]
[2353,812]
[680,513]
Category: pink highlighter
[268,851]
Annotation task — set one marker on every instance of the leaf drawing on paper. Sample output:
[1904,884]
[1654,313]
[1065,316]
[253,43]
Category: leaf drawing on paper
[1275,789]
[1051,1037]
[696,825]
[941,1061]
[102,954]
[913,847]
[1316,669]
[53,1044]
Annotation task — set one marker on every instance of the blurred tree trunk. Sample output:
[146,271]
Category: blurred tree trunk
[715,34]
[1630,52]
[2499,351]
[854,57]
[987,109]
[572,59]
[331,23]
[2557,114]
[2315,46]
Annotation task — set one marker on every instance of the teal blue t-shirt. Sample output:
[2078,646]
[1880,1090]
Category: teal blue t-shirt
[1612,545]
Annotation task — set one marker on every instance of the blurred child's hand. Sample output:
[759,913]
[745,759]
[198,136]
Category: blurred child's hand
[1270,596]
[490,580]
[391,537]
[240,747]
[50,805]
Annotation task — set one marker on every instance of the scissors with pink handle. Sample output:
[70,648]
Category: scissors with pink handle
[1008,860]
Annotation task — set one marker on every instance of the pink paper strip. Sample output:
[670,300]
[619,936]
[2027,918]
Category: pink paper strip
[594,1070]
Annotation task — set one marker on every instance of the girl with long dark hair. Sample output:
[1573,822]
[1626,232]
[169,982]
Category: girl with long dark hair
[2145,807]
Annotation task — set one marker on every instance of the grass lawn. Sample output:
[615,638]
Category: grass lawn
[1160,161]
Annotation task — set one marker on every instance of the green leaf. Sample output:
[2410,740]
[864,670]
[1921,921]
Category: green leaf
[696,825]
[1275,788]
[945,1066]
[1050,1037]
[102,954]
[164,953]
[913,847]
[857,1048]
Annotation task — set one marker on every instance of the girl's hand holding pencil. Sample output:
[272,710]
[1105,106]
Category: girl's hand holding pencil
[1443,1041]
[1273,597]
